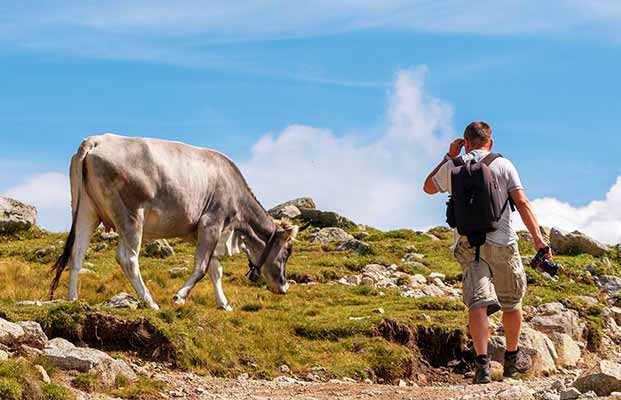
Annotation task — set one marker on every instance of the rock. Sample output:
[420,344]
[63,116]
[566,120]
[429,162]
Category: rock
[566,348]
[4,355]
[29,352]
[536,344]
[122,300]
[570,394]
[609,284]
[589,300]
[418,279]
[378,310]
[362,235]
[514,393]
[328,235]
[86,271]
[355,245]
[45,251]
[575,243]
[366,281]
[284,369]
[324,218]
[287,379]
[353,280]
[42,373]
[10,333]
[109,370]
[603,378]
[291,208]
[412,257]
[16,216]
[101,247]
[555,317]
[549,396]
[33,334]
[64,355]
[177,271]
[402,383]
[159,249]
[438,275]
[37,303]
[109,236]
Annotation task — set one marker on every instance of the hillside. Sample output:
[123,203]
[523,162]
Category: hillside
[383,308]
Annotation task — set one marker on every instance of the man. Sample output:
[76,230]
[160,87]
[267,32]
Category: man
[498,280]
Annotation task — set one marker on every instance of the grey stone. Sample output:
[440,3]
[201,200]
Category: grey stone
[354,245]
[122,300]
[33,334]
[609,283]
[177,271]
[291,208]
[37,303]
[10,333]
[109,236]
[64,355]
[159,249]
[576,242]
[109,370]
[555,317]
[325,218]
[514,393]
[45,251]
[42,373]
[570,394]
[329,235]
[101,247]
[566,348]
[16,216]
[603,378]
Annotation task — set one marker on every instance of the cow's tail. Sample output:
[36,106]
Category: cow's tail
[76,171]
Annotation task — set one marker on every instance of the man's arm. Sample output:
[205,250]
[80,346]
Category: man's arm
[528,217]
[430,187]
[454,150]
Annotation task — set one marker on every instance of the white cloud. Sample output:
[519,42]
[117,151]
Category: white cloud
[50,193]
[378,183]
[600,219]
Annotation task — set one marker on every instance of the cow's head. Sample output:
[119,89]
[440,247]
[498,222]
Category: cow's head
[273,270]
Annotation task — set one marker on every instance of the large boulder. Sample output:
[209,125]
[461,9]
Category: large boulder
[325,218]
[122,300]
[357,246]
[603,378]
[33,334]
[16,216]
[64,355]
[159,249]
[566,348]
[291,208]
[10,333]
[328,235]
[609,283]
[575,243]
[555,317]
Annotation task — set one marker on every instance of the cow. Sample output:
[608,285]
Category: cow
[152,189]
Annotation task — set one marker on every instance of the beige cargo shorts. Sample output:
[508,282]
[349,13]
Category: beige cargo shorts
[497,281]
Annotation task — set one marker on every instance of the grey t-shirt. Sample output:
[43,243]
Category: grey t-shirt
[508,180]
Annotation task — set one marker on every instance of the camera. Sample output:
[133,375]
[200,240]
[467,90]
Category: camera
[541,263]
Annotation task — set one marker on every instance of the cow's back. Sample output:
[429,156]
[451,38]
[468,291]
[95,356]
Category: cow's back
[171,182]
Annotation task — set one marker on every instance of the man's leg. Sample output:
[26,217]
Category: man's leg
[479,329]
[512,323]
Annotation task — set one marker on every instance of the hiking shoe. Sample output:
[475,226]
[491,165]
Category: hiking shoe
[482,372]
[516,364]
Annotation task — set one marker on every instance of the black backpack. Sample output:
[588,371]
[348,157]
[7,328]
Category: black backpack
[474,207]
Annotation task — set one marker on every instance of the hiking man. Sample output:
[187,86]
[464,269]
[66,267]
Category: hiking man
[495,280]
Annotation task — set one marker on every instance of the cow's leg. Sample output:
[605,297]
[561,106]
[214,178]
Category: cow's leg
[130,237]
[86,223]
[208,234]
[215,273]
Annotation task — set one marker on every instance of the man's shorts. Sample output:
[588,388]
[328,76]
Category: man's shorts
[497,281]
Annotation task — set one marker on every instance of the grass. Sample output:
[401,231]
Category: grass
[309,326]
[20,381]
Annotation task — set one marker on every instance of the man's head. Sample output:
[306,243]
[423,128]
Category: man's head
[478,136]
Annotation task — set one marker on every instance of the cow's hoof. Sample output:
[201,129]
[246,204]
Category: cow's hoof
[154,306]
[226,308]
[178,302]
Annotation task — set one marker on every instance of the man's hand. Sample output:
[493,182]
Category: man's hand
[455,147]
[540,244]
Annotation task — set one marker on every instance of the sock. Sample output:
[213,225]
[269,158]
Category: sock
[482,359]
[511,353]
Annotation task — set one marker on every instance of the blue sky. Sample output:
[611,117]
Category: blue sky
[344,74]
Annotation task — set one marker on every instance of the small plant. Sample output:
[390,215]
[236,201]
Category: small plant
[53,391]
[88,381]
[251,307]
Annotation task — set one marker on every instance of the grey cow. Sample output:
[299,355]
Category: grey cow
[148,189]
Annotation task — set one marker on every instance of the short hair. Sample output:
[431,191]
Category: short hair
[478,133]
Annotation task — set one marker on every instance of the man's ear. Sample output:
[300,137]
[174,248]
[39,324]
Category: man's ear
[491,144]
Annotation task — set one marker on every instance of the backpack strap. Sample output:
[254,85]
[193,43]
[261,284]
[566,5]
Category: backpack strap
[490,158]
[458,162]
